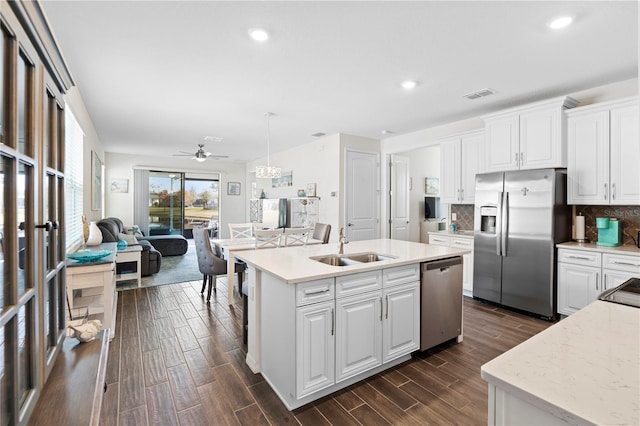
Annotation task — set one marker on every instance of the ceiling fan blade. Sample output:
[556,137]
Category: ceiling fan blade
[219,156]
[182,155]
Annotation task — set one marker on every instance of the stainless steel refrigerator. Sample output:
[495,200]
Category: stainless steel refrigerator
[519,217]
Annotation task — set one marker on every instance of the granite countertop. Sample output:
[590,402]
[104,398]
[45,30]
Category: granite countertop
[601,249]
[292,264]
[458,233]
[586,368]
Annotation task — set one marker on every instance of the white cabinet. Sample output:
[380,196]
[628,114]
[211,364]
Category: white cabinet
[358,334]
[467,259]
[604,153]
[315,349]
[348,325]
[461,158]
[529,137]
[303,212]
[584,274]
[401,323]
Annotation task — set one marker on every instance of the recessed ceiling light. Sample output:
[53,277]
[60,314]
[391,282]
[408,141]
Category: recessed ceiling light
[386,132]
[259,34]
[409,84]
[560,22]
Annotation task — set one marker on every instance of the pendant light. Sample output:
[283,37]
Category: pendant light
[267,172]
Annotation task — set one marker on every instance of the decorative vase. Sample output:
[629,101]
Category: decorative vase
[122,245]
[95,235]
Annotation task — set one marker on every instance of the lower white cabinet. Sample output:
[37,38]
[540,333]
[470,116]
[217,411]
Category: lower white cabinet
[351,334]
[315,351]
[358,334]
[467,259]
[584,274]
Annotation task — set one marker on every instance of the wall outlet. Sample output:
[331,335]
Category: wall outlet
[454,216]
[333,193]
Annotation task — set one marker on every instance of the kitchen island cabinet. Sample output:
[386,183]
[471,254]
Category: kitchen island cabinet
[582,370]
[316,328]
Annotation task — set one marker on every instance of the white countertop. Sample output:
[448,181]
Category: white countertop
[292,264]
[601,249]
[461,233]
[586,366]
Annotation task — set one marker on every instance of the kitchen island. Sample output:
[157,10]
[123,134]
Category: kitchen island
[315,328]
[583,370]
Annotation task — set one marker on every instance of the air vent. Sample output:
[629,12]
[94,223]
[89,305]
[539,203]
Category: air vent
[479,93]
[318,135]
[213,139]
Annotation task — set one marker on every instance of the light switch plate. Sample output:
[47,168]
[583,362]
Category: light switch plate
[454,216]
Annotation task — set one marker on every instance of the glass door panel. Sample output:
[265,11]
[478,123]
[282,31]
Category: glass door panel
[165,203]
[201,201]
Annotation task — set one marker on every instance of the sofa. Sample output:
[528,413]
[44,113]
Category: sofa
[150,259]
[168,245]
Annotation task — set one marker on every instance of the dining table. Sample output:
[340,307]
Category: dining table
[228,246]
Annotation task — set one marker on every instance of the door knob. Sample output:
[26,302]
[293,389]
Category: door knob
[47,226]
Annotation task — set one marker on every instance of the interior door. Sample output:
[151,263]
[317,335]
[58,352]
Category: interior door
[362,191]
[399,197]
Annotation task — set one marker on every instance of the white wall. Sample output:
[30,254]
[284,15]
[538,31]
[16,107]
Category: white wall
[120,166]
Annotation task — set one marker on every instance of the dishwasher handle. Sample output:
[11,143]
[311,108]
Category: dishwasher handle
[441,264]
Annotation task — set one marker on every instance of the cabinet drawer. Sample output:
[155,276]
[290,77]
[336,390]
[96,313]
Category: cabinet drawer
[400,275]
[438,240]
[466,243]
[621,262]
[315,291]
[579,257]
[358,283]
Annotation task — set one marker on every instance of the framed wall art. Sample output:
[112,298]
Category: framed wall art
[432,186]
[233,188]
[96,182]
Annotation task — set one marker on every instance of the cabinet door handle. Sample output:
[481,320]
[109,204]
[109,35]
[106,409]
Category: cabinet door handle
[517,159]
[311,293]
[386,315]
[521,158]
[380,308]
[604,287]
[597,277]
[333,321]
[461,194]
[605,191]
[613,191]
[625,263]
[579,257]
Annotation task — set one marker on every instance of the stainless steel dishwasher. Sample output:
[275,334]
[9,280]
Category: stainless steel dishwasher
[440,301]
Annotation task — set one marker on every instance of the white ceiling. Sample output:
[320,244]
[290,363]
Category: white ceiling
[159,76]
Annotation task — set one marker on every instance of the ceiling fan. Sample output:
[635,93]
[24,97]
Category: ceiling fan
[200,155]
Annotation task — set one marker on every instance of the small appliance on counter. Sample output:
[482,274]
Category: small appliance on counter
[609,231]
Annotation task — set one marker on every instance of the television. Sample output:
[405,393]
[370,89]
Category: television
[430,207]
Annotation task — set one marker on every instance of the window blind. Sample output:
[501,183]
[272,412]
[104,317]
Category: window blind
[73,180]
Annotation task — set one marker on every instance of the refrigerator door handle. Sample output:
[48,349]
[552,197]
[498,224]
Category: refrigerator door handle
[504,223]
[499,224]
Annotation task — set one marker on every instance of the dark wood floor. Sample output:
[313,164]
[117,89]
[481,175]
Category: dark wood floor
[177,360]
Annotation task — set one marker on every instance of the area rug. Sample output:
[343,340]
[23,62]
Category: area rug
[173,269]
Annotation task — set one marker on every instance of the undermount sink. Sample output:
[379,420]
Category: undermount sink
[350,259]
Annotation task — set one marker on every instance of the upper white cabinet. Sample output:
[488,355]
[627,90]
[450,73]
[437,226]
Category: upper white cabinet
[604,153]
[529,137]
[461,158]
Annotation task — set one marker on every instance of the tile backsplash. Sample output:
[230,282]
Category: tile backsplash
[464,213]
[629,215]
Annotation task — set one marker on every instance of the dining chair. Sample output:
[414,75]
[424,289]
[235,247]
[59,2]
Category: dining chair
[296,236]
[321,232]
[268,238]
[209,264]
[241,230]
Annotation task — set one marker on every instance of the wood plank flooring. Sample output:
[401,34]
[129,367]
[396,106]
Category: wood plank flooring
[176,360]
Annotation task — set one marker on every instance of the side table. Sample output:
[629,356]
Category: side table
[131,255]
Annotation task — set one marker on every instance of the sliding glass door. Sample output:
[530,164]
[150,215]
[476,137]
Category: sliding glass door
[178,202]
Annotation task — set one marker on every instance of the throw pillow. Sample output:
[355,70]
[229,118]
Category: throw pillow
[130,239]
[135,230]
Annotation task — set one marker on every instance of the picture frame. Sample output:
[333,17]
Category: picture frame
[233,188]
[119,186]
[311,190]
[96,181]
[285,179]
[432,186]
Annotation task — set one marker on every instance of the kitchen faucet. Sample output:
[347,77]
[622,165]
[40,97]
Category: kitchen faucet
[343,240]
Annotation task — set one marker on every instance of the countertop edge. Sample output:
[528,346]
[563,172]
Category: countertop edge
[630,250]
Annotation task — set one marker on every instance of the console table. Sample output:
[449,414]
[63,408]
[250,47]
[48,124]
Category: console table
[97,283]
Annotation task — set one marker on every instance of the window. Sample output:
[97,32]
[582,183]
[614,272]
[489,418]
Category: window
[74,140]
